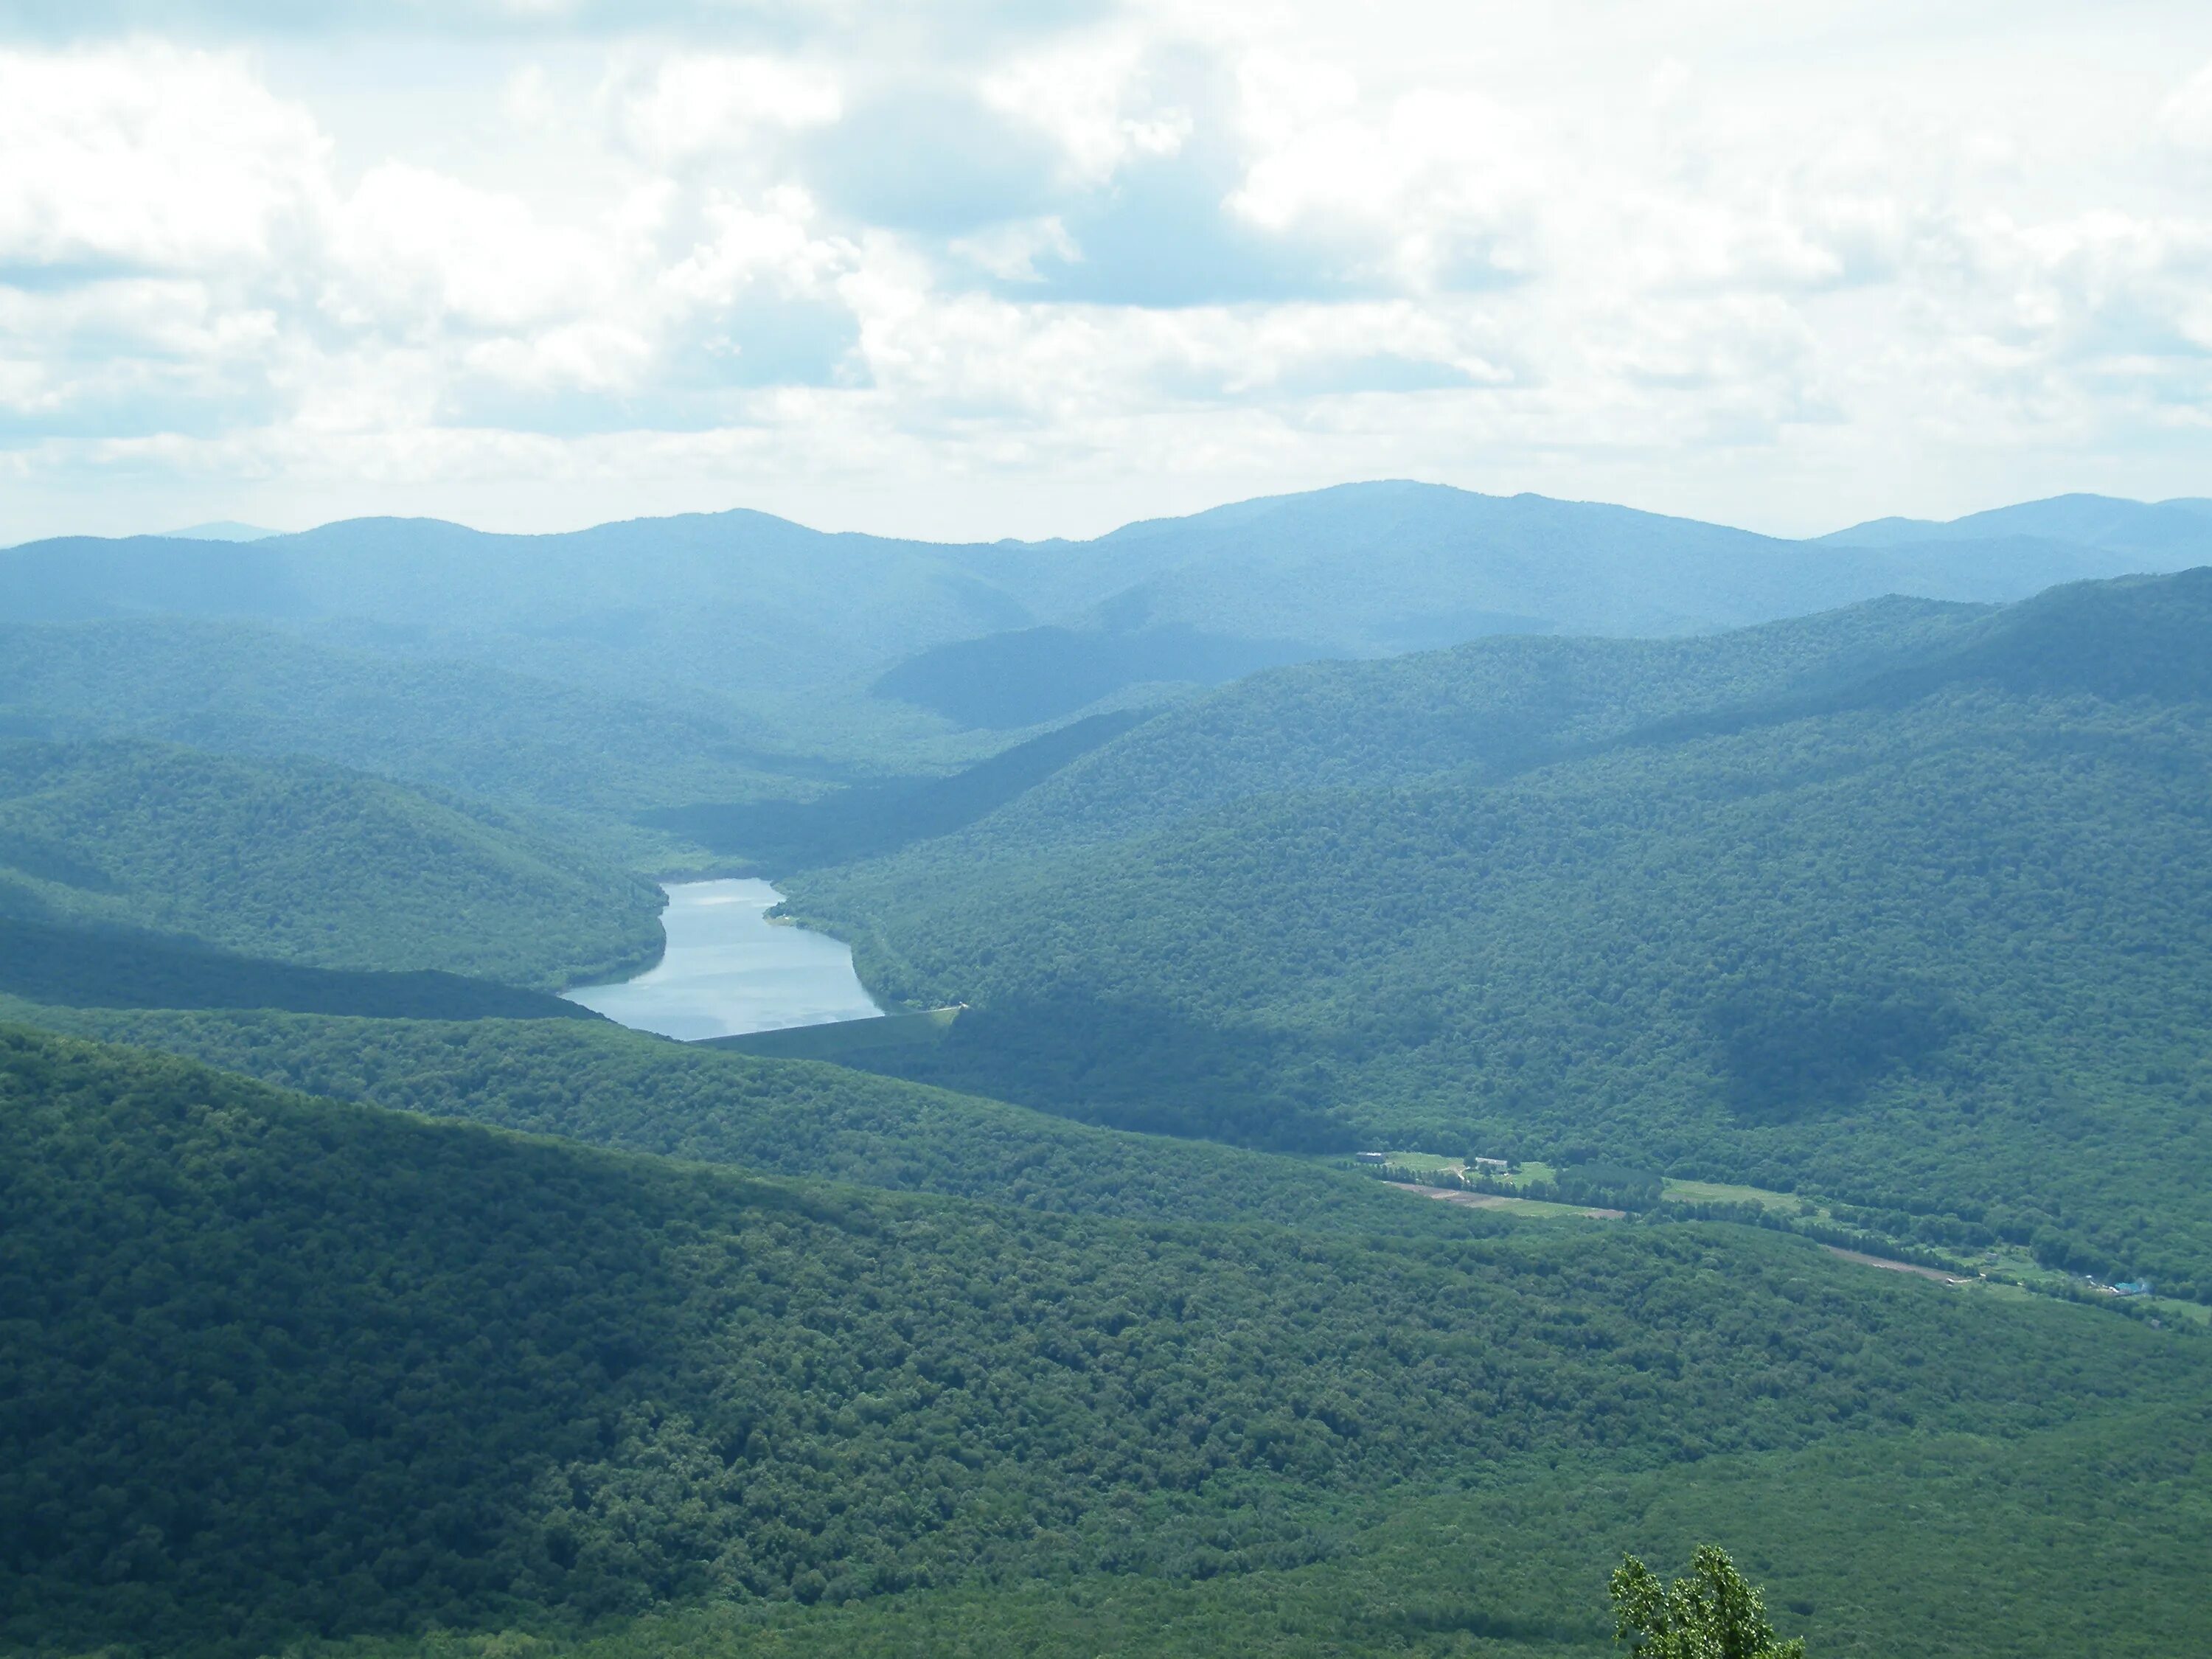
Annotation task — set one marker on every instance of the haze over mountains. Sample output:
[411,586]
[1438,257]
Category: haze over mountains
[743,609]
[1789,906]
[1376,1070]
[1750,896]
[220,529]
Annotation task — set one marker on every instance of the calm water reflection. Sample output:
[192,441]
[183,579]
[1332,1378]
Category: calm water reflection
[729,969]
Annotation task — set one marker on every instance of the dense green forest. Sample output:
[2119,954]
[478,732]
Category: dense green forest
[278,1367]
[1485,710]
[609,1087]
[1503,704]
[2076,1541]
[360,1298]
[1032,674]
[238,688]
[1932,939]
[302,862]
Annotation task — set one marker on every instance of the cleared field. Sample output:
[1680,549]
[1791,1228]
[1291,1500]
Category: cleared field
[1530,1207]
[2000,1270]
[1437,1163]
[1720,1192]
[1425,1163]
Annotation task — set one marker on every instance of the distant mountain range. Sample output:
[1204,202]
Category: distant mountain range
[221,530]
[770,615]
[2158,528]
[1886,926]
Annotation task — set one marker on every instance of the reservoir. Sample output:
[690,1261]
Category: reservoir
[729,969]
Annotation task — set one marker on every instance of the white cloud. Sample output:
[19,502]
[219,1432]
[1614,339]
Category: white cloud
[1096,99]
[1435,189]
[1684,258]
[414,250]
[2188,113]
[139,159]
[690,105]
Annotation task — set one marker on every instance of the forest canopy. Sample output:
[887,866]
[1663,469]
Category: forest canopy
[332,1369]
[302,862]
[1922,937]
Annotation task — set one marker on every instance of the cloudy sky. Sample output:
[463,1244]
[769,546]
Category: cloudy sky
[984,268]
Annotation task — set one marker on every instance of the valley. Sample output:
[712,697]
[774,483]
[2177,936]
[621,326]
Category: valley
[453,1205]
[1010,830]
[724,1353]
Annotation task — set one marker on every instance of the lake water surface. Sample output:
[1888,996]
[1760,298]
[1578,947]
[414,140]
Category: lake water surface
[729,969]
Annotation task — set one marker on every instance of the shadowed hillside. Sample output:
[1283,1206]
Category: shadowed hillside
[81,968]
[334,1371]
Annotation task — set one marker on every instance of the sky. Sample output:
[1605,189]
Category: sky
[982,268]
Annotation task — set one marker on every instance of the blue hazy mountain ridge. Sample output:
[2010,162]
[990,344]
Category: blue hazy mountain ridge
[747,605]
[1371,563]
[252,689]
[734,603]
[221,530]
[1908,904]
[1487,707]
[2101,522]
[1032,674]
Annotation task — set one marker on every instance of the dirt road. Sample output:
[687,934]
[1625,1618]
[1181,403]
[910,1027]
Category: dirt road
[1936,1274]
[1495,1201]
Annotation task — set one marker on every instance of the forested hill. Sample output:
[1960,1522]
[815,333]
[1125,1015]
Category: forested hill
[1390,566]
[278,1367]
[2153,531]
[1488,710]
[746,606]
[252,689]
[593,1081]
[1931,936]
[1499,706]
[55,968]
[305,863]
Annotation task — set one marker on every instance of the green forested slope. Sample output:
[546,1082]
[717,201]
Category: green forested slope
[1937,940]
[305,863]
[1488,709]
[2082,1539]
[277,1366]
[240,688]
[609,1087]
